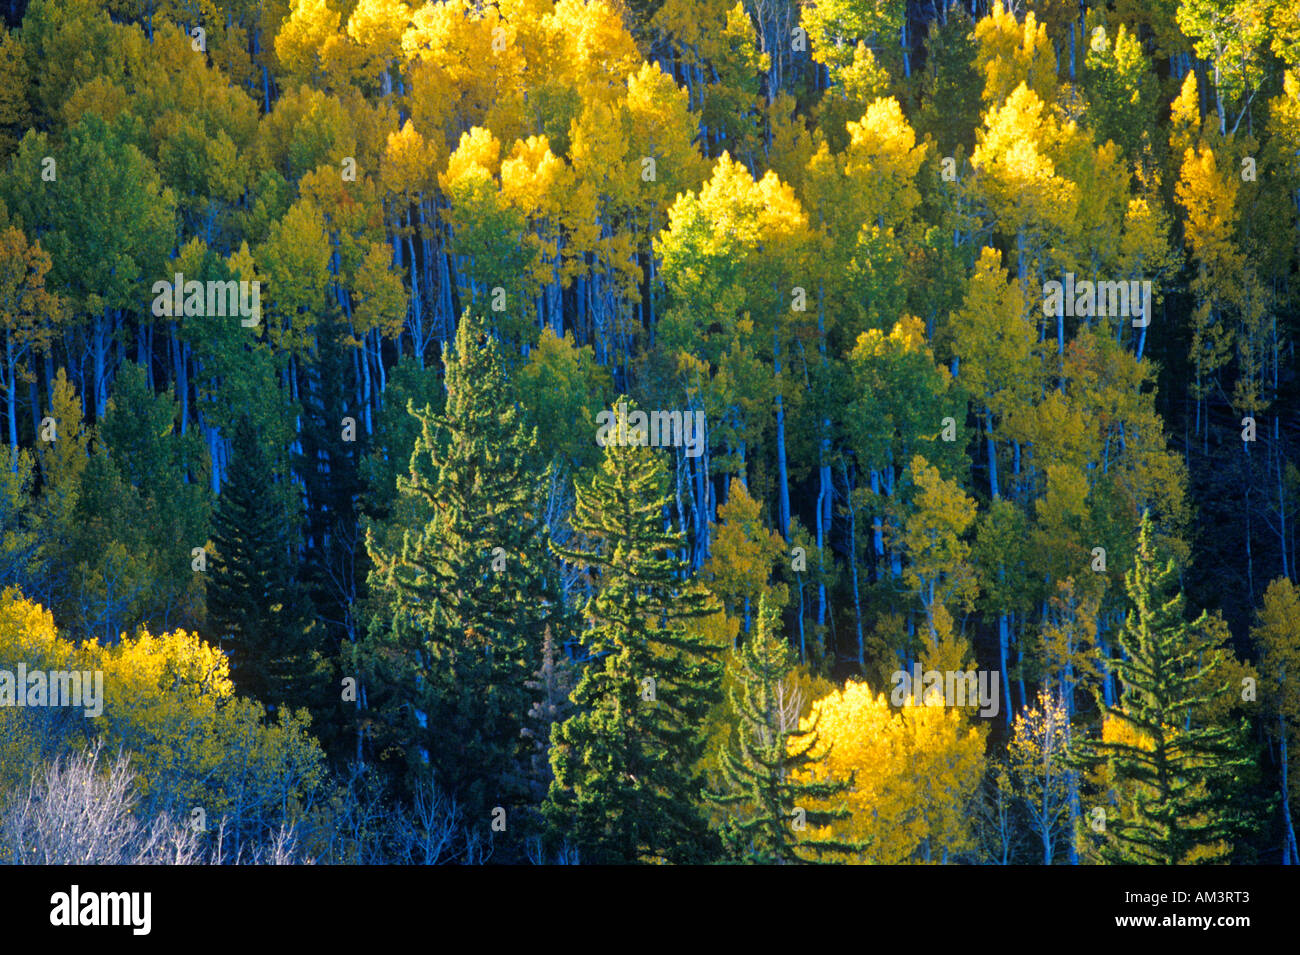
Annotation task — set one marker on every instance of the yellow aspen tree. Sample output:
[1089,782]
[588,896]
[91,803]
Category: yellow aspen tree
[1145,252]
[1068,649]
[659,129]
[1042,778]
[379,295]
[1012,54]
[1208,195]
[309,42]
[410,163]
[1127,448]
[28,635]
[744,554]
[307,129]
[169,700]
[1184,122]
[1017,174]
[914,772]
[1063,536]
[608,184]
[992,338]
[536,182]
[882,161]
[933,536]
[465,67]
[486,231]
[836,27]
[293,264]
[376,28]
[29,316]
[861,82]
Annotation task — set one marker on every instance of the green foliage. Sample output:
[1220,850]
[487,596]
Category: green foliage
[836,253]
[396,431]
[106,220]
[1169,771]
[625,762]
[561,389]
[463,598]
[1120,91]
[257,604]
[765,796]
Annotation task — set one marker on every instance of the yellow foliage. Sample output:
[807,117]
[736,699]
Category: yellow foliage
[1013,54]
[950,652]
[1185,117]
[744,552]
[309,35]
[410,162]
[479,154]
[932,535]
[751,211]
[914,771]
[533,177]
[1016,159]
[170,703]
[377,27]
[27,636]
[882,160]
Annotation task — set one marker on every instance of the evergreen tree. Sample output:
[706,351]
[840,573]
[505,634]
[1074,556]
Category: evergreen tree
[332,442]
[1175,777]
[758,769]
[257,606]
[626,764]
[466,592]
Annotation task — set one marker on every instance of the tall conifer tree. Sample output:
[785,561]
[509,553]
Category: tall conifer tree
[467,593]
[257,605]
[766,807]
[626,763]
[1176,776]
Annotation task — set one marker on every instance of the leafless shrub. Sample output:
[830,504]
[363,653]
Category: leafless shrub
[280,848]
[363,824]
[75,814]
[79,811]
[433,832]
[536,853]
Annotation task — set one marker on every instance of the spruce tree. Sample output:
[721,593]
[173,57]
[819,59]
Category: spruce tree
[626,763]
[765,806]
[1176,776]
[466,592]
[257,606]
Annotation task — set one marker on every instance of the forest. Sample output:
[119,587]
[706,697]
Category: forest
[649,431]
